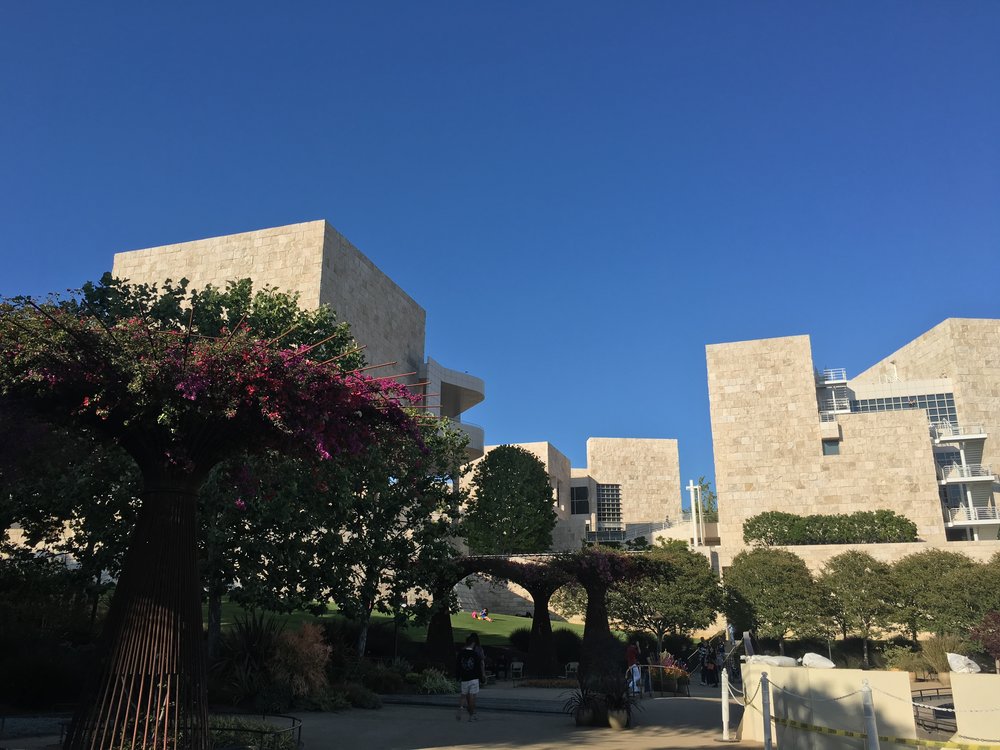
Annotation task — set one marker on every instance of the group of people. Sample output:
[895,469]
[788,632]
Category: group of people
[712,661]
[481,614]
[638,678]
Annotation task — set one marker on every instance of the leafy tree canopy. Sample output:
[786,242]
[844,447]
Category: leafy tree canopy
[939,592]
[689,597]
[510,507]
[771,591]
[861,593]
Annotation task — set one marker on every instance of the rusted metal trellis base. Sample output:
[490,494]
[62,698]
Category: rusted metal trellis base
[150,692]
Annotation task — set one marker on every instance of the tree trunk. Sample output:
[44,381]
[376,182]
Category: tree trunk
[149,689]
[601,658]
[864,641]
[440,642]
[541,653]
[781,646]
[215,592]
[362,643]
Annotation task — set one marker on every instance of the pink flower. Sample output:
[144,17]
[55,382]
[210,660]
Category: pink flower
[240,505]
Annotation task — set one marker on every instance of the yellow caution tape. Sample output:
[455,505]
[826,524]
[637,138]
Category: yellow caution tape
[882,738]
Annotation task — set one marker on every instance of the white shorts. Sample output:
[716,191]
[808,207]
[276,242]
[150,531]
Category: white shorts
[470,687]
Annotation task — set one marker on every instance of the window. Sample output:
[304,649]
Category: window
[579,500]
[609,507]
[831,447]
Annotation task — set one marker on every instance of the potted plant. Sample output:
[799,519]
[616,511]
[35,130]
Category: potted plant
[620,703]
[583,706]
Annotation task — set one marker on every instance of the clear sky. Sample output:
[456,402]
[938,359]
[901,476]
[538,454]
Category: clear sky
[582,195]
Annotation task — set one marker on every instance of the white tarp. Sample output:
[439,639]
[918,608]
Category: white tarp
[963,664]
[816,661]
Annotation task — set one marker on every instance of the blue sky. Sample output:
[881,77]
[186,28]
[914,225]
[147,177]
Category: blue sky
[582,195]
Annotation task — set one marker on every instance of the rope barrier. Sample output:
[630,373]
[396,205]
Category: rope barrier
[814,699]
[938,708]
[793,724]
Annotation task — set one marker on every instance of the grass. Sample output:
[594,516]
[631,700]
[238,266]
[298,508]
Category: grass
[495,633]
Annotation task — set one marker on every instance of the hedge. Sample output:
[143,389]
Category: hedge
[775,528]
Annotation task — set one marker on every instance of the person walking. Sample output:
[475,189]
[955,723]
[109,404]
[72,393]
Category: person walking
[702,658]
[468,667]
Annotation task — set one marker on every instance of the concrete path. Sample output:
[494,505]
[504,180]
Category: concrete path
[511,717]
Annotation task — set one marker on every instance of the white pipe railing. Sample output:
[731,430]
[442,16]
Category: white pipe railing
[965,471]
[942,430]
[973,513]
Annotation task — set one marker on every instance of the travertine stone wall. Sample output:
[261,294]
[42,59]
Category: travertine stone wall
[966,351]
[816,555]
[768,445]
[312,259]
[381,314]
[648,471]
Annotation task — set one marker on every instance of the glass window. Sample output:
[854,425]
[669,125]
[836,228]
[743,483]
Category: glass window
[831,447]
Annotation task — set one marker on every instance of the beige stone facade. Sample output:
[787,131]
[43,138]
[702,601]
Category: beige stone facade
[323,267]
[629,488]
[916,434]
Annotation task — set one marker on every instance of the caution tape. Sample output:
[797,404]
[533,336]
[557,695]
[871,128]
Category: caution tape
[792,723]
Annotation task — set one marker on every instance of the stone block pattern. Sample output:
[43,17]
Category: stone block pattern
[767,441]
[967,351]
[312,259]
[648,471]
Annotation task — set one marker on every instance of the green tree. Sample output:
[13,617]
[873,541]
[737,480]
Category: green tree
[862,593]
[179,398]
[510,506]
[771,591]
[709,500]
[398,526]
[938,592]
[686,599]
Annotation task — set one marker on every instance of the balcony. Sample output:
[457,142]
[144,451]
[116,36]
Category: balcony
[831,376]
[971,515]
[475,434]
[835,406]
[966,473]
[946,432]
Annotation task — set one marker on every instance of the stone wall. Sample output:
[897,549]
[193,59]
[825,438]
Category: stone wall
[648,471]
[816,555]
[767,438]
[312,259]
[966,351]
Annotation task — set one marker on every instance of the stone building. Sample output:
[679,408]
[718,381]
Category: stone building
[916,433]
[319,263]
[629,488]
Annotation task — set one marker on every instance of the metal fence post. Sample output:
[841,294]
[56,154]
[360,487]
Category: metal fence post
[725,706]
[871,726]
[765,706]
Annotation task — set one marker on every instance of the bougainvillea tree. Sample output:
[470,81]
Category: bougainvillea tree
[178,398]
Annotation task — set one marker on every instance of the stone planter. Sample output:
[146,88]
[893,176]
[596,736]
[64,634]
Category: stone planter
[618,718]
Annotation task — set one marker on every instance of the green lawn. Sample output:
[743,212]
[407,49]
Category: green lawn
[490,633]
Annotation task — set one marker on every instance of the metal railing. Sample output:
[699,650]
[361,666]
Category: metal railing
[973,513]
[835,404]
[831,375]
[255,731]
[931,718]
[945,430]
[965,471]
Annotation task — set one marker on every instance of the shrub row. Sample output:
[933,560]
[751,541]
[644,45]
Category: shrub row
[864,527]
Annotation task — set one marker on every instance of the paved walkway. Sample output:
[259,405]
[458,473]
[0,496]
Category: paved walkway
[511,717]
[519,717]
